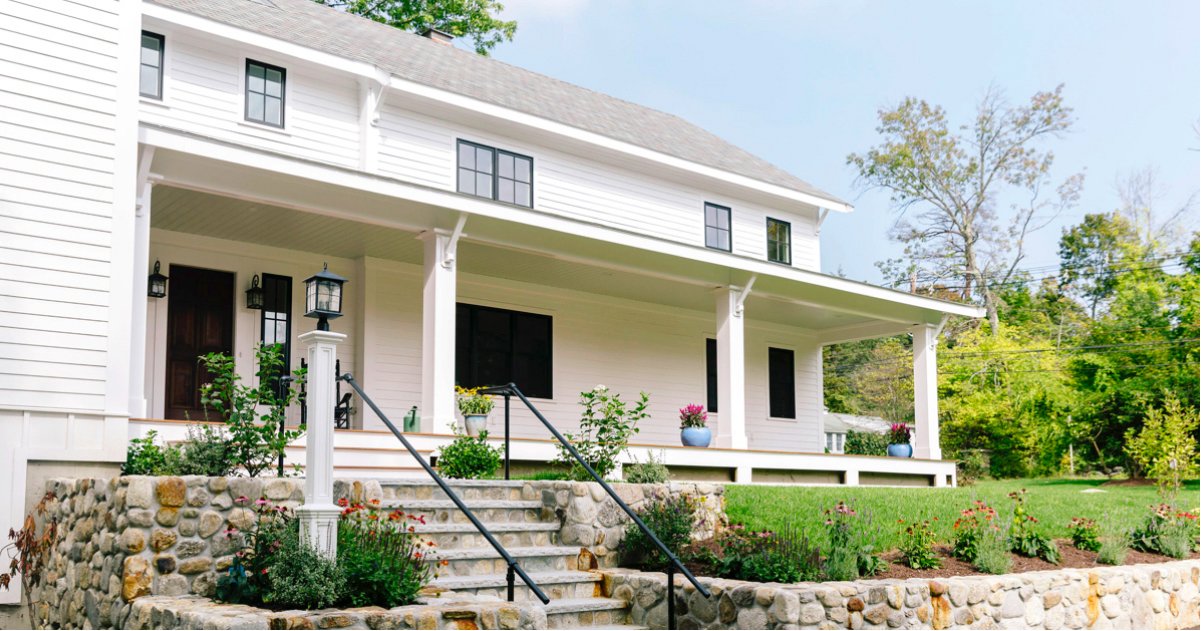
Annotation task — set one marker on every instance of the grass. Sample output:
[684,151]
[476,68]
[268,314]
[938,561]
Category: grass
[1054,502]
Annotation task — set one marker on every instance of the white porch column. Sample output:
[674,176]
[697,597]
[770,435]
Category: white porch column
[925,392]
[137,314]
[318,515]
[438,334]
[731,371]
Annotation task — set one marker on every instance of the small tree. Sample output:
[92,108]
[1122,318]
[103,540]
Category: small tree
[1166,447]
[606,425]
[252,414]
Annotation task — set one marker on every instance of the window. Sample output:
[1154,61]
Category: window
[151,67]
[779,241]
[835,442]
[265,93]
[277,315]
[711,375]
[717,227]
[497,346]
[781,383]
[495,174]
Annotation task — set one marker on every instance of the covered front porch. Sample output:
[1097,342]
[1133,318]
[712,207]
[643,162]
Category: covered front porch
[438,296]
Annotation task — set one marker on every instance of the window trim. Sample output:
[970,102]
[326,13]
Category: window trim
[795,416]
[162,63]
[550,359]
[283,94]
[495,151]
[787,224]
[729,231]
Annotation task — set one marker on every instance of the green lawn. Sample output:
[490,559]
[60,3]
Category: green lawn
[1054,502]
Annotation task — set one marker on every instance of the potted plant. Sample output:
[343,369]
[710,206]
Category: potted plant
[693,432]
[898,441]
[475,408]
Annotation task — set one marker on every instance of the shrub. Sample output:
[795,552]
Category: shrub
[992,554]
[1165,448]
[384,563]
[768,557]
[145,457]
[301,578]
[671,519]
[470,401]
[606,425]
[650,472]
[1113,545]
[865,444]
[693,415]
[972,466]
[852,546]
[1167,531]
[968,527]
[469,457]
[1086,534]
[1023,538]
[205,452]
[247,580]
[255,441]
[917,546]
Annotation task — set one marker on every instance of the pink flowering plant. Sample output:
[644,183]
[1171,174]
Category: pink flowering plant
[693,415]
[898,434]
[852,543]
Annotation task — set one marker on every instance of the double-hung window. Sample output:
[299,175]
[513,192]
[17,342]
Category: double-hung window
[717,227]
[498,346]
[150,77]
[781,383]
[779,241]
[495,174]
[265,93]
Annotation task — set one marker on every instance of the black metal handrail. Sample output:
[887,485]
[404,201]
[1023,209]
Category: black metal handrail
[673,561]
[513,565]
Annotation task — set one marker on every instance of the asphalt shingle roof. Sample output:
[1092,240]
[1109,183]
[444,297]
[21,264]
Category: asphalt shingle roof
[418,59]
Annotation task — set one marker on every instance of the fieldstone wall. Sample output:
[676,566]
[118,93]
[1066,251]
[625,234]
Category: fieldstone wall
[1160,596]
[590,518]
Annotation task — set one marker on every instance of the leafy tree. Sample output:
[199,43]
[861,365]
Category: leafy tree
[478,19]
[1092,255]
[954,181]
[1165,448]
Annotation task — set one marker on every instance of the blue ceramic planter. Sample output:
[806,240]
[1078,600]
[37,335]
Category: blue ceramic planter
[904,450]
[696,436]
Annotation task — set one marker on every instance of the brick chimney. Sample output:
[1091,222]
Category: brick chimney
[442,37]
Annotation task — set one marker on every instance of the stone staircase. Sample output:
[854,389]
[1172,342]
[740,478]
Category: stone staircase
[529,532]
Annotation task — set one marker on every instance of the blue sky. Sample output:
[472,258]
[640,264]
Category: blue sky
[799,83]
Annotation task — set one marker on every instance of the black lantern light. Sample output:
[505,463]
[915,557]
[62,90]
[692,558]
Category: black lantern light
[254,295]
[157,283]
[323,297]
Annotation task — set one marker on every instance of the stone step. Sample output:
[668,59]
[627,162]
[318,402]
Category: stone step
[449,536]
[556,585]
[427,489]
[486,560]
[488,511]
[578,613]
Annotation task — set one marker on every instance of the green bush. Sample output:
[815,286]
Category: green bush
[1086,534]
[650,472]
[671,520]
[301,578]
[852,545]
[1113,545]
[145,457]
[1165,447]
[384,564]
[767,557]
[865,444]
[469,457]
[606,425]
[1167,531]
[992,553]
[247,580]
[1023,538]
[972,465]
[205,452]
[917,546]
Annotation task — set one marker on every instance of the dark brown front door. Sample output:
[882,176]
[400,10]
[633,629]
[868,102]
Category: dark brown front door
[200,320]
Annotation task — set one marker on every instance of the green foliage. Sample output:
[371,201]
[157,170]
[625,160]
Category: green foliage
[767,557]
[970,527]
[1168,531]
[1114,544]
[145,457]
[254,440]
[671,519]
[471,402]
[1086,534]
[606,425]
[301,578]
[248,580]
[992,553]
[384,564]
[865,444]
[852,549]
[477,19]
[1091,253]
[971,466]
[205,452]
[1166,446]
[917,546]
[650,472]
[469,457]
[1023,538]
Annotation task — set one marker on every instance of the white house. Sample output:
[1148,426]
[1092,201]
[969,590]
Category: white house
[494,225]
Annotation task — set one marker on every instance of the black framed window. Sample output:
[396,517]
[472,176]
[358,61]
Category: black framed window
[497,346]
[711,375]
[150,79]
[717,227]
[781,382]
[779,241]
[265,93]
[497,174]
[276,315]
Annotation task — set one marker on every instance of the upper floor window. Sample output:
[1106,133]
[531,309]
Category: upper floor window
[495,174]
[151,67]
[779,241]
[265,93]
[717,227]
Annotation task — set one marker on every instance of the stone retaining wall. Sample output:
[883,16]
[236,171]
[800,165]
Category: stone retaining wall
[1159,596]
